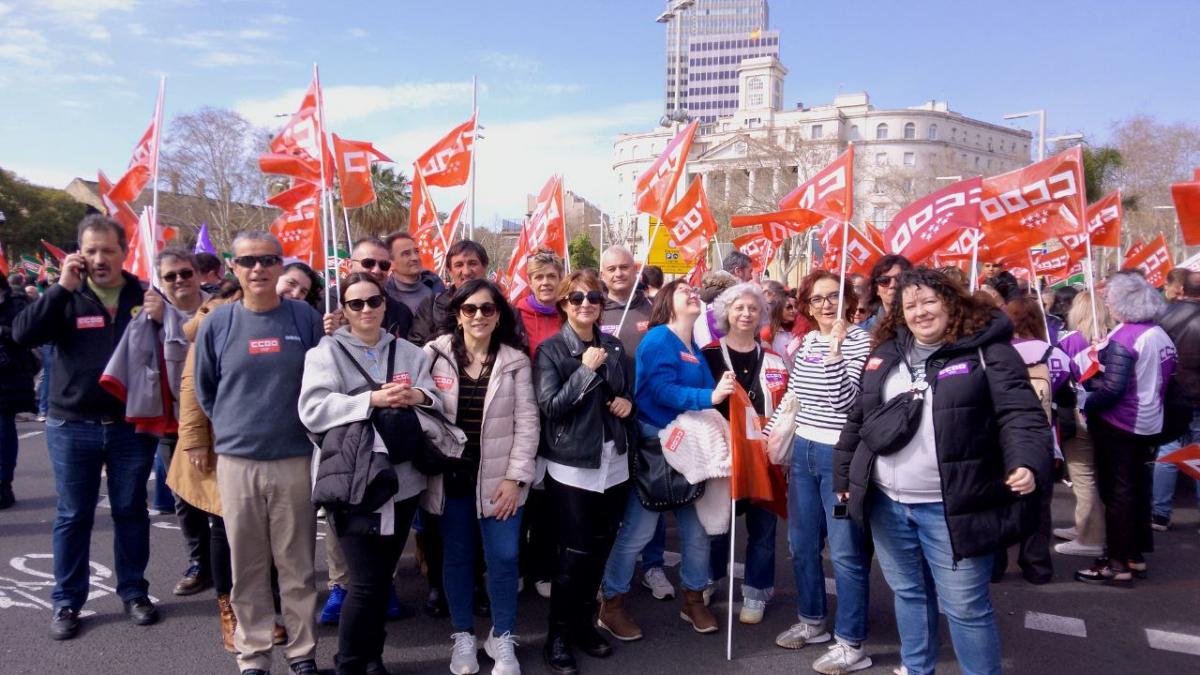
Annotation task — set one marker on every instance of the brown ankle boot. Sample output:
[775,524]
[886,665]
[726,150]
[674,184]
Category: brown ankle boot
[614,620]
[228,623]
[279,636]
[695,613]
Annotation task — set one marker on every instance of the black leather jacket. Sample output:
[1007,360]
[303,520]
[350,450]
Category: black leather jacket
[1182,323]
[574,399]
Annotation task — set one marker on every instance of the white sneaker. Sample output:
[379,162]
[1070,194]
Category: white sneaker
[464,656]
[1081,550]
[709,591]
[902,670]
[1068,533]
[842,658]
[542,588]
[752,611]
[502,650]
[656,580]
[801,634]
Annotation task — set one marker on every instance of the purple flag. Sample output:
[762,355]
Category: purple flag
[203,242]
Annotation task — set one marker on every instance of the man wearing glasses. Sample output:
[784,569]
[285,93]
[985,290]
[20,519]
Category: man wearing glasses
[249,362]
[369,256]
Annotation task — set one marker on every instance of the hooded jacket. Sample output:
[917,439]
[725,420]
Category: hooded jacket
[84,337]
[987,422]
[539,323]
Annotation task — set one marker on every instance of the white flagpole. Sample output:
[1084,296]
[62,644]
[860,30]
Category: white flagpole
[474,149]
[729,576]
[562,191]
[152,244]
[328,230]
[975,237]
[1091,284]
[641,267]
[842,273]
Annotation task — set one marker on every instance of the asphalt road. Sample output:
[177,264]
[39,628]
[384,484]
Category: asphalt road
[1061,628]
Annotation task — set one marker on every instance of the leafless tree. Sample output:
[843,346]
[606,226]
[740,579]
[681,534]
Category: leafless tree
[1154,154]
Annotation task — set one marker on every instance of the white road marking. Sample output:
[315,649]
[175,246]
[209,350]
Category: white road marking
[28,434]
[1173,642]
[1053,623]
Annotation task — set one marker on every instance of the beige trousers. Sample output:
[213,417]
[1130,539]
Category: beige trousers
[269,517]
[1080,457]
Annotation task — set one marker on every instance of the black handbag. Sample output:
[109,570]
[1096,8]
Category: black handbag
[659,487]
[892,425]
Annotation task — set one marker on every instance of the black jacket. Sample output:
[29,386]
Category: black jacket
[17,365]
[430,317]
[351,477]
[574,399]
[986,424]
[1182,324]
[84,337]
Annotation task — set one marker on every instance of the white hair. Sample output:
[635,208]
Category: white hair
[1131,299]
[720,305]
[616,249]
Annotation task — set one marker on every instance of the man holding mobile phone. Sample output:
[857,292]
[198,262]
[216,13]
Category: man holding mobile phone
[84,316]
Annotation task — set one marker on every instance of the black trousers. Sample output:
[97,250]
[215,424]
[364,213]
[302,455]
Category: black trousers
[538,546]
[1033,556]
[1124,480]
[586,525]
[193,522]
[219,561]
[370,563]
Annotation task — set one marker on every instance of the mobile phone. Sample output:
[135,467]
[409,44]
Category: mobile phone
[841,511]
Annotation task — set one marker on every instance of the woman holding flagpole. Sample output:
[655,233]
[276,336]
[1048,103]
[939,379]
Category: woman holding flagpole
[825,378]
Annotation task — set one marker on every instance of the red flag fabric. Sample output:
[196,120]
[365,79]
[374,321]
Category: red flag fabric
[760,249]
[354,170]
[55,251]
[303,139]
[829,193]
[3,261]
[1187,210]
[422,212]
[1045,197]
[292,197]
[1104,220]
[1154,260]
[657,184]
[137,262]
[1134,250]
[433,246]
[1052,263]
[923,227]
[547,224]
[779,225]
[751,475]
[299,231]
[695,278]
[448,162]
[1186,458]
[141,165]
[517,281]
[862,253]
[690,223]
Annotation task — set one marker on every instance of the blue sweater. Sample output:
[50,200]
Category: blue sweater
[669,380]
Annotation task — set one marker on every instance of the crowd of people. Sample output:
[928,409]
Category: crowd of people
[917,423]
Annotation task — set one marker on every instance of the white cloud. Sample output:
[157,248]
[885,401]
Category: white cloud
[509,62]
[55,177]
[24,46]
[85,16]
[5,8]
[357,33]
[345,103]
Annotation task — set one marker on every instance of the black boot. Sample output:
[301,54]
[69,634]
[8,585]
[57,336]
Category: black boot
[6,494]
[584,634]
[557,652]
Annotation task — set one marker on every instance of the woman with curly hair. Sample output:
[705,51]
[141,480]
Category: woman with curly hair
[942,455]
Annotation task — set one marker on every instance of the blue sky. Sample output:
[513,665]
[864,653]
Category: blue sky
[558,78]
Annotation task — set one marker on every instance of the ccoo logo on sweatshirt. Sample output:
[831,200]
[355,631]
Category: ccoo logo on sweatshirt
[264,345]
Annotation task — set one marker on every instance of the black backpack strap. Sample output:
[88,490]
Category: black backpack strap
[361,371]
[391,359]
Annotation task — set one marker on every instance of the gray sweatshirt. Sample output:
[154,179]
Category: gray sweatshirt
[911,475]
[411,295]
[248,370]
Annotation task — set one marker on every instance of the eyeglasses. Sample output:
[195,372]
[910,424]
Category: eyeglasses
[370,263]
[170,277]
[249,261]
[886,281]
[374,302]
[593,297]
[818,300]
[487,309]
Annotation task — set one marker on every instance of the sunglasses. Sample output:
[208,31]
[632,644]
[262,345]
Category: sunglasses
[370,263]
[487,309]
[886,280]
[374,302]
[170,277]
[249,261]
[593,297]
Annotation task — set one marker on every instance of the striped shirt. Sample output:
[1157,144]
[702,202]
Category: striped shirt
[826,391]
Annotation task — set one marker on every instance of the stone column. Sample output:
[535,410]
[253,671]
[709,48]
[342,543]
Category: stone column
[752,185]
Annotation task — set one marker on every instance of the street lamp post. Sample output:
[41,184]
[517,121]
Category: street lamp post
[1041,115]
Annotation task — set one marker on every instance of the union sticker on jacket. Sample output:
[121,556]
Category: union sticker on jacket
[443,382]
[956,369]
[82,322]
[402,378]
[689,358]
[675,439]
[775,379]
[874,362]
[264,345]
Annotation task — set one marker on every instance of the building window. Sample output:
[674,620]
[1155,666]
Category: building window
[976,162]
[910,159]
[881,132]
[853,135]
[933,132]
[877,187]
[817,132]
[881,159]
[633,152]
[880,216]
[910,131]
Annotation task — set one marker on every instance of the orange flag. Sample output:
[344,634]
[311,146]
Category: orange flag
[547,224]
[760,249]
[1104,220]
[1186,458]
[292,197]
[779,225]
[422,212]
[3,261]
[752,477]
[448,162]
[295,149]
[516,278]
[1154,260]
[299,231]
[432,246]
[1046,197]
[690,223]
[657,184]
[354,170]
[1187,209]
[862,253]
[695,278]
[829,193]
[1052,263]
[1134,249]
[141,165]
[922,227]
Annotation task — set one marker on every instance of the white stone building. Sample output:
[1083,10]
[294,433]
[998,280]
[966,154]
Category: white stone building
[752,159]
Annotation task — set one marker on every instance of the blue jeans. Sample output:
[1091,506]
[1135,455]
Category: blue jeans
[810,523]
[1166,474]
[44,387]
[637,529]
[78,451]
[164,499]
[652,555]
[500,551]
[912,542]
[759,582]
[8,447]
